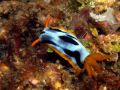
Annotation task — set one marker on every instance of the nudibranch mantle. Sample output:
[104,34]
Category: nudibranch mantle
[65,43]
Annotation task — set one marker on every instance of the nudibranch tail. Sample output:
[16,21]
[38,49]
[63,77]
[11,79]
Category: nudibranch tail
[35,42]
[90,63]
[47,21]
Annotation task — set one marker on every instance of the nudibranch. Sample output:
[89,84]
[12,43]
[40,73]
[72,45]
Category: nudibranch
[69,48]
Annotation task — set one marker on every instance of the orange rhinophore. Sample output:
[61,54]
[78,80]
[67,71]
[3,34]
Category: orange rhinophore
[48,20]
[35,42]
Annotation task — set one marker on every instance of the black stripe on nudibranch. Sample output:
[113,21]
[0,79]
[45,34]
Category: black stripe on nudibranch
[68,39]
[70,36]
[48,42]
[55,30]
[47,39]
[68,52]
[42,32]
[76,55]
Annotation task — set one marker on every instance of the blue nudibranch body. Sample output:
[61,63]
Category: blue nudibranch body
[69,47]
[65,43]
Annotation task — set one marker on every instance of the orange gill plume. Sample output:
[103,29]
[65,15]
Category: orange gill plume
[91,65]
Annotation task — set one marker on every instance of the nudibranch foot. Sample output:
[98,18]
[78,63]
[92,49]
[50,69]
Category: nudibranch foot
[91,65]
[76,69]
